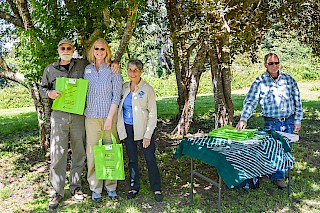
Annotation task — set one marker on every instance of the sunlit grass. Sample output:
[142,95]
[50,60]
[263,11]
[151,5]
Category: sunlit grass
[26,168]
[5,193]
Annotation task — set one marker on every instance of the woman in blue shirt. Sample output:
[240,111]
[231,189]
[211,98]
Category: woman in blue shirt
[137,120]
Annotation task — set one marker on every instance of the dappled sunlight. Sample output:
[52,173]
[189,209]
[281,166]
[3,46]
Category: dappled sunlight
[315,187]
[132,210]
[25,169]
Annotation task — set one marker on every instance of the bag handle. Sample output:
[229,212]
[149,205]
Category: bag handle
[114,141]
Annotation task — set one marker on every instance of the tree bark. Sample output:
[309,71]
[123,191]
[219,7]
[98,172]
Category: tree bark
[128,31]
[11,19]
[24,13]
[188,91]
[221,81]
[43,108]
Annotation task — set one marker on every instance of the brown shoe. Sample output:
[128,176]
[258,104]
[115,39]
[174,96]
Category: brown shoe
[55,200]
[265,179]
[280,184]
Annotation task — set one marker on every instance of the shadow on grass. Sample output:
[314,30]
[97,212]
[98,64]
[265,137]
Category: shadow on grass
[23,147]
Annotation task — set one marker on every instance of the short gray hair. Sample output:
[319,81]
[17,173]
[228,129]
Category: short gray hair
[136,62]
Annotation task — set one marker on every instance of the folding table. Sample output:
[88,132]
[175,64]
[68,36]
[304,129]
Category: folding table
[238,161]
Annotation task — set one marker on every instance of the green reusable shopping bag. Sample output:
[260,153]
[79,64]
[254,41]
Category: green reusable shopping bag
[229,132]
[108,160]
[74,93]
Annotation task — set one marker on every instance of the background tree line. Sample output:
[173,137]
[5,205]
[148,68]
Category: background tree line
[186,37]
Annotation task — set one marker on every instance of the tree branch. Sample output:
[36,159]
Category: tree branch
[24,13]
[131,22]
[14,9]
[106,16]
[71,6]
[194,45]
[55,9]
[6,72]
[11,19]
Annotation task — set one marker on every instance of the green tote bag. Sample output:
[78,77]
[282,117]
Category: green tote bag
[108,160]
[74,93]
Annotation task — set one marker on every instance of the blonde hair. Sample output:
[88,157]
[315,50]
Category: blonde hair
[108,57]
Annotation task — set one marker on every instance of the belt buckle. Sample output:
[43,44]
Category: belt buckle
[282,119]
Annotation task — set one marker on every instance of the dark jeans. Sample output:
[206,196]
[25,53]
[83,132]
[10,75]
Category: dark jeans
[283,126]
[149,155]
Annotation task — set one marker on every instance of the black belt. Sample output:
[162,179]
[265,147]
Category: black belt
[278,119]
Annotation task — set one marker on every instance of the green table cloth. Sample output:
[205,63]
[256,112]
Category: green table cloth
[238,161]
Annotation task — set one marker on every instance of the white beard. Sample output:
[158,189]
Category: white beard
[66,57]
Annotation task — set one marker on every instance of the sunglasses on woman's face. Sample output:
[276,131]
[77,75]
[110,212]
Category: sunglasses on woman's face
[102,49]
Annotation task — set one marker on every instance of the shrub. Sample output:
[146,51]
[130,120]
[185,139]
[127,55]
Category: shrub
[15,96]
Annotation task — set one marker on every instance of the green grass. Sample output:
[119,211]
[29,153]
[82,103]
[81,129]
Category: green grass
[17,121]
[24,168]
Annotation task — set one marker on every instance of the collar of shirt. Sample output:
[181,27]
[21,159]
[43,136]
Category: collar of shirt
[267,74]
[102,66]
[57,64]
[139,86]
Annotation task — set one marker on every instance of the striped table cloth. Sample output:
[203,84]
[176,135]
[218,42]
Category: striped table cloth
[238,161]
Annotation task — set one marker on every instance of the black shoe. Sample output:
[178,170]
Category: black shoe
[132,194]
[158,197]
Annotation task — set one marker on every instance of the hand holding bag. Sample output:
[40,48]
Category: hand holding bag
[108,160]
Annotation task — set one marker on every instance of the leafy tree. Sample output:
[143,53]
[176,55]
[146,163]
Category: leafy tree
[35,27]
[213,32]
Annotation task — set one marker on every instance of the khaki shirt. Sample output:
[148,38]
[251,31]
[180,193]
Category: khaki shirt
[144,110]
[54,70]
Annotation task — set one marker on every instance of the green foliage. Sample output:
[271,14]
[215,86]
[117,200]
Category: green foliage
[164,86]
[15,96]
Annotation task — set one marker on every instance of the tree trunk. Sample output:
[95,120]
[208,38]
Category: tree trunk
[188,85]
[221,81]
[43,108]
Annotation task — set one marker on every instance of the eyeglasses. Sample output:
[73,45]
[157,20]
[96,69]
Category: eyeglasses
[65,48]
[102,49]
[272,63]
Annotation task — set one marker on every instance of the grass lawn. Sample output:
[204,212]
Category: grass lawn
[24,168]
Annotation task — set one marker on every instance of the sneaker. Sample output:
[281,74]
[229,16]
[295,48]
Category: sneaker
[112,195]
[96,196]
[158,196]
[78,194]
[132,194]
[55,200]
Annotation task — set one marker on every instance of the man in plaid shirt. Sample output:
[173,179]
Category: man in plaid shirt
[279,98]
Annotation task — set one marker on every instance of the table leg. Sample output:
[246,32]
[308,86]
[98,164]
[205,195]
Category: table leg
[219,196]
[289,182]
[191,183]
[218,185]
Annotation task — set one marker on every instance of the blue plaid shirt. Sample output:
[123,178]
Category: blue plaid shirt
[278,98]
[104,89]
